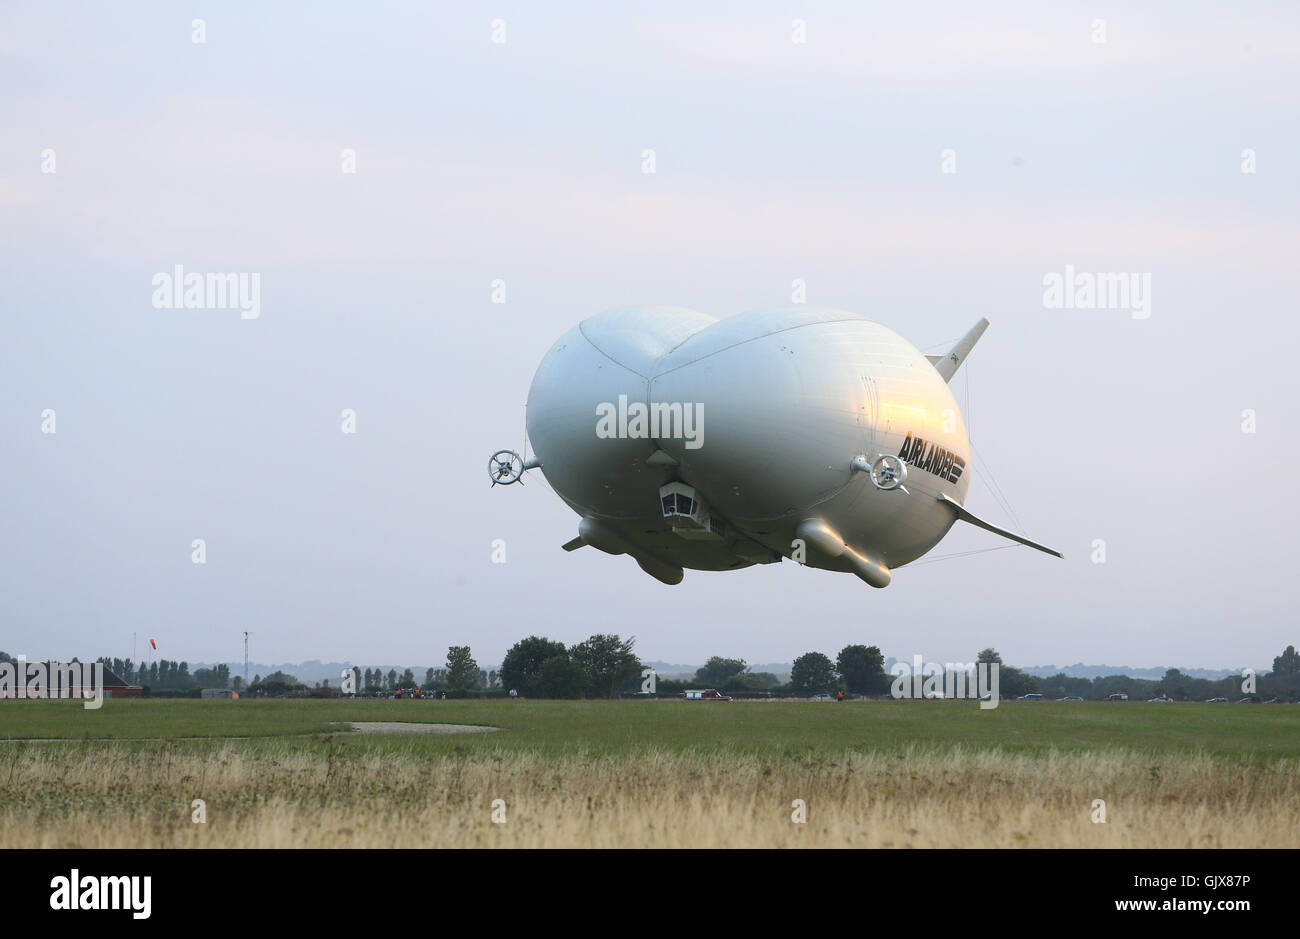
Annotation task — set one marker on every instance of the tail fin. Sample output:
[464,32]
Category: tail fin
[947,365]
[966,515]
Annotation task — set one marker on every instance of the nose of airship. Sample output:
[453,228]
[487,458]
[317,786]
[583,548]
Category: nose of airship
[582,408]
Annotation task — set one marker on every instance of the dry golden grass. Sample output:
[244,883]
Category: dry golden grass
[112,796]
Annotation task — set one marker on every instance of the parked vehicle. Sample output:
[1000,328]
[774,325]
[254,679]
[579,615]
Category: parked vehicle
[707,694]
[1072,697]
[1116,697]
[1032,696]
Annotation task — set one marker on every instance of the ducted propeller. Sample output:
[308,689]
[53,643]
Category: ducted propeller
[887,473]
[507,466]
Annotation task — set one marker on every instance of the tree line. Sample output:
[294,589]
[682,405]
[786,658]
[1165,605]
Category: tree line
[605,666]
[861,670]
[599,667]
[167,675]
[1282,683]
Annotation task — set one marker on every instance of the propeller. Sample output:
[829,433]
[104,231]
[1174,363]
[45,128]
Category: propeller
[506,467]
[889,473]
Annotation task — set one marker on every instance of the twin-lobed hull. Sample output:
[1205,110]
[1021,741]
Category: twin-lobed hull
[758,418]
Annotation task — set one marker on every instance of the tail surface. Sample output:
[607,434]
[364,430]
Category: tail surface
[947,365]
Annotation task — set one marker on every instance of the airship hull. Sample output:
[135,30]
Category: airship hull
[771,409]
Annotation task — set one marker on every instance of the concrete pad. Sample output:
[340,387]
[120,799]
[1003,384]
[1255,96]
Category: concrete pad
[414,727]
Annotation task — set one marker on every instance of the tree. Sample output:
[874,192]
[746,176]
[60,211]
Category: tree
[276,684]
[392,679]
[559,677]
[1175,684]
[1286,666]
[863,669]
[717,671]
[1285,678]
[1060,685]
[408,678]
[523,663]
[462,670]
[812,673]
[1012,682]
[748,682]
[606,661]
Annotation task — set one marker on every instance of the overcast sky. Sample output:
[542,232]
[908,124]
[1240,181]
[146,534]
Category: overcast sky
[522,161]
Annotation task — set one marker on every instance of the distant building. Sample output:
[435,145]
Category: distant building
[54,680]
[115,687]
[225,693]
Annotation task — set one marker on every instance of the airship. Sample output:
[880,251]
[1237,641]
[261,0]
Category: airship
[686,441]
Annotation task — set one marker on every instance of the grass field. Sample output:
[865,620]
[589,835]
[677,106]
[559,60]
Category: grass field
[650,774]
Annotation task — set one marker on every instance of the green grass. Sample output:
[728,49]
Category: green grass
[1247,733]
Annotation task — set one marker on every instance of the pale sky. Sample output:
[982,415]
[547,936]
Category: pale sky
[522,161]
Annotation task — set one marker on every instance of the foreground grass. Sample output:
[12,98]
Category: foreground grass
[650,774]
[331,794]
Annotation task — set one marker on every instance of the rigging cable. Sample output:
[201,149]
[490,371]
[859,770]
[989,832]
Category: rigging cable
[958,554]
[992,486]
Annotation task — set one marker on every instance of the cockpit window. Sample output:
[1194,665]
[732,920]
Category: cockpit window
[677,503]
